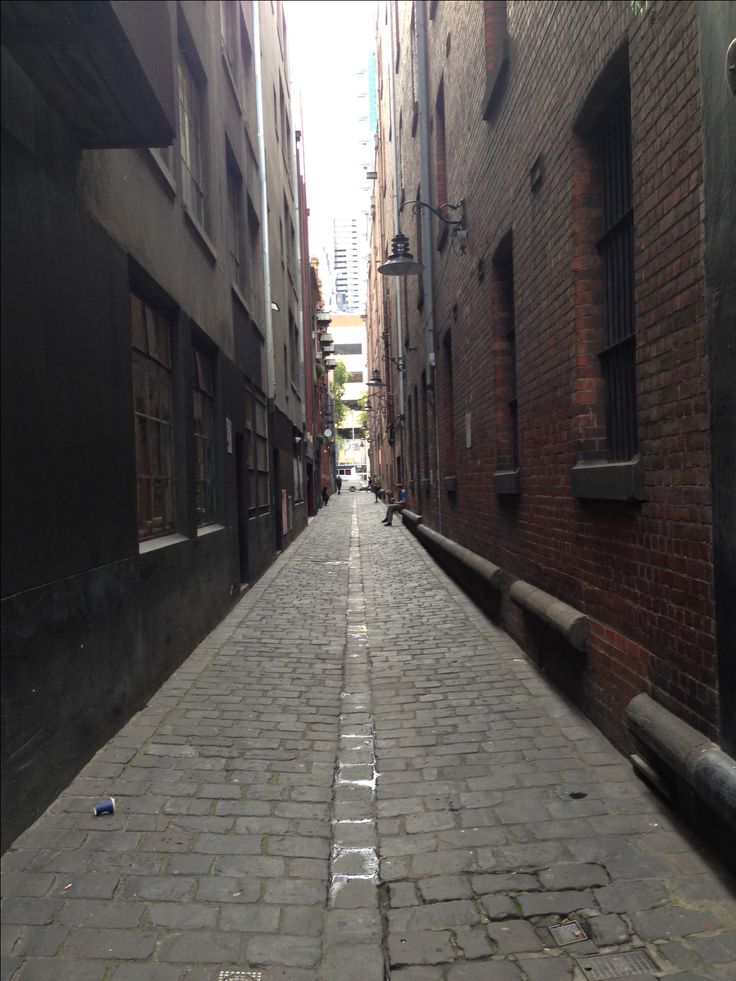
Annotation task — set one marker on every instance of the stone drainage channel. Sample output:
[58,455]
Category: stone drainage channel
[354,848]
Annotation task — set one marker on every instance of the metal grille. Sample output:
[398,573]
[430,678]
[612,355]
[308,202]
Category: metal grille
[241,976]
[616,246]
[568,933]
[600,967]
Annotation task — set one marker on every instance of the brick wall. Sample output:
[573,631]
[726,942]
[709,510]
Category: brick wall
[642,572]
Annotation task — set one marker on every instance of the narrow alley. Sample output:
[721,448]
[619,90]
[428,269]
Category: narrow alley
[357,776]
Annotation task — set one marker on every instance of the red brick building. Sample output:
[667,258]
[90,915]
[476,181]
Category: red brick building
[558,382]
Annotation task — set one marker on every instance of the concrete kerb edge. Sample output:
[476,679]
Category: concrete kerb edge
[697,760]
[571,623]
[568,621]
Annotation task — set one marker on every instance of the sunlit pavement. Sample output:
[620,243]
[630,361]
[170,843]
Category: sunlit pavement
[357,776]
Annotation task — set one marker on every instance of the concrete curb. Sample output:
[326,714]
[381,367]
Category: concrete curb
[571,623]
[459,560]
[702,764]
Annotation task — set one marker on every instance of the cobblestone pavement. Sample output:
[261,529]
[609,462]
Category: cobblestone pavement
[357,776]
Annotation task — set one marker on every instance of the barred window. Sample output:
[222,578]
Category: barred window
[204,437]
[152,395]
[616,248]
[256,450]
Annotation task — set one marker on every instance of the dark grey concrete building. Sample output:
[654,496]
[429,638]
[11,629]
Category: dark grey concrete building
[152,398]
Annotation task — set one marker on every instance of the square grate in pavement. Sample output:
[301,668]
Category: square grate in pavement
[600,967]
[241,976]
[568,933]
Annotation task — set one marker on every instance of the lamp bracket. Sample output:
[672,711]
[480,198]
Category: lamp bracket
[417,205]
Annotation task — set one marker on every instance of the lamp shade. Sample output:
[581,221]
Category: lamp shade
[401,262]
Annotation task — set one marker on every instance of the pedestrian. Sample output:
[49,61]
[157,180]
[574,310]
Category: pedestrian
[338,484]
[398,506]
[325,496]
[377,487]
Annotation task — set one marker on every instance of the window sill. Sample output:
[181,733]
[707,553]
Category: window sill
[153,544]
[209,529]
[239,295]
[201,235]
[162,171]
[451,485]
[593,480]
[233,84]
[507,481]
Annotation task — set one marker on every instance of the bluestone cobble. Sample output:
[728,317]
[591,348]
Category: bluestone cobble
[357,776]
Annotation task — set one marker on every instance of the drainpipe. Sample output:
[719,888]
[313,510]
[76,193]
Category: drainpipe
[299,282]
[395,195]
[270,374]
[427,244]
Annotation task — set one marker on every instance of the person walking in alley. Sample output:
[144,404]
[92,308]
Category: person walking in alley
[338,483]
[325,496]
[398,505]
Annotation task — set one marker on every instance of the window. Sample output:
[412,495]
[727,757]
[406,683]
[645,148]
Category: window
[191,125]
[504,361]
[229,28]
[348,349]
[293,350]
[440,152]
[251,252]
[607,465]
[495,30]
[204,437]
[152,395]
[261,436]
[355,376]
[448,414]
[414,71]
[235,242]
[256,450]
[287,237]
[425,435]
[616,248]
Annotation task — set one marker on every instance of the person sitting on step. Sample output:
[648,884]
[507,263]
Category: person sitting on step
[399,505]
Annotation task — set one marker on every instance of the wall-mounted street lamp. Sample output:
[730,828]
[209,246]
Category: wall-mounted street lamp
[401,262]
[375,380]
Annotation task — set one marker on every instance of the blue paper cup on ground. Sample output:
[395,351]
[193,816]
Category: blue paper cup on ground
[105,807]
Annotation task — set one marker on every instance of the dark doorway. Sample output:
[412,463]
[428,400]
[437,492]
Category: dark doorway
[309,492]
[277,501]
[242,507]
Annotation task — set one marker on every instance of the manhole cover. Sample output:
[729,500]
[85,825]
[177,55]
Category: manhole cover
[568,933]
[241,976]
[599,967]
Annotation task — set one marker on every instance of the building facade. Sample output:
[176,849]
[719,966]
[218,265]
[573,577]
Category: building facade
[153,356]
[553,380]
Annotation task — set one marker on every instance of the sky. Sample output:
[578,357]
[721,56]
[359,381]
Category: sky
[329,41]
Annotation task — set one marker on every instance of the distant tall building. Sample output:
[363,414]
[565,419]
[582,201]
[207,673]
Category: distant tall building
[349,296]
[350,231]
[372,93]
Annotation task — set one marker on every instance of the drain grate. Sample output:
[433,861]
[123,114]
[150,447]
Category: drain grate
[600,967]
[241,976]
[568,933]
